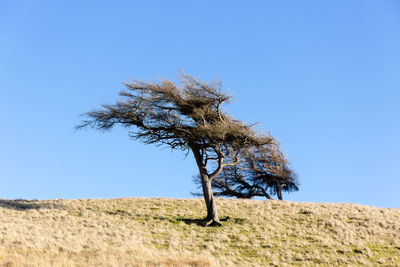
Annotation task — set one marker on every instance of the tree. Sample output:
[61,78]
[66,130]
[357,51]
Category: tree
[187,116]
[262,171]
[269,166]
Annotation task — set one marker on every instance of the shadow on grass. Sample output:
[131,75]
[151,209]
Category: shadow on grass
[199,222]
[189,221]
[22,204]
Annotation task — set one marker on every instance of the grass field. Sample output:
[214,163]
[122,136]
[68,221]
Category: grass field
[168,232]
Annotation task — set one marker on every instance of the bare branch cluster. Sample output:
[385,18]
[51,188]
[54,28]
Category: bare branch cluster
[263,171]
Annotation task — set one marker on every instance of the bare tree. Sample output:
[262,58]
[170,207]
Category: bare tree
[262,171]
[185,116]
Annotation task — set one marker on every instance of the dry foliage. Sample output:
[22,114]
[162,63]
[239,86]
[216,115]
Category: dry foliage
[166,232]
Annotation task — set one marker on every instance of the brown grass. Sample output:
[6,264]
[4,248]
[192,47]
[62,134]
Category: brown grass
[167,232]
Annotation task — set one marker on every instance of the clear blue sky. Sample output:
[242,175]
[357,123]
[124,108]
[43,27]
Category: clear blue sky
[322,76]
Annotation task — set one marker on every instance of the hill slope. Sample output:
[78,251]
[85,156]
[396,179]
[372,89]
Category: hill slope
[166,232]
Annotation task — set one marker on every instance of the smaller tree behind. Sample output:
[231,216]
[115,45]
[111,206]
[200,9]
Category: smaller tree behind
[262,171]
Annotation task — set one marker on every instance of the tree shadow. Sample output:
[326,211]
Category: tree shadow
[22,204]
[199,222]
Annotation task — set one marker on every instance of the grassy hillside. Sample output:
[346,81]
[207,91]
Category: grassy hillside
[166,232]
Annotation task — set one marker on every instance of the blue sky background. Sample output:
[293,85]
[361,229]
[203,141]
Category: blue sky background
[322,76]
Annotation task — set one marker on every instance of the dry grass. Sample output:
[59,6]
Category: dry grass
[166,232]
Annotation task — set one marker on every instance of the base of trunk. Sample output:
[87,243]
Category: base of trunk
[212,222]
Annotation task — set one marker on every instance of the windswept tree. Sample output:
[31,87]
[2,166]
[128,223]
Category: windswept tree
[262,171]
[187,116]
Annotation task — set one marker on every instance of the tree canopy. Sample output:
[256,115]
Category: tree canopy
[164,113]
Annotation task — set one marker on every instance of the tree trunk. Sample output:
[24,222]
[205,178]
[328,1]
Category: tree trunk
[279,192]
[212,214]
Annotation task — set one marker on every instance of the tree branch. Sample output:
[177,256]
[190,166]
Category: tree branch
[237,160]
